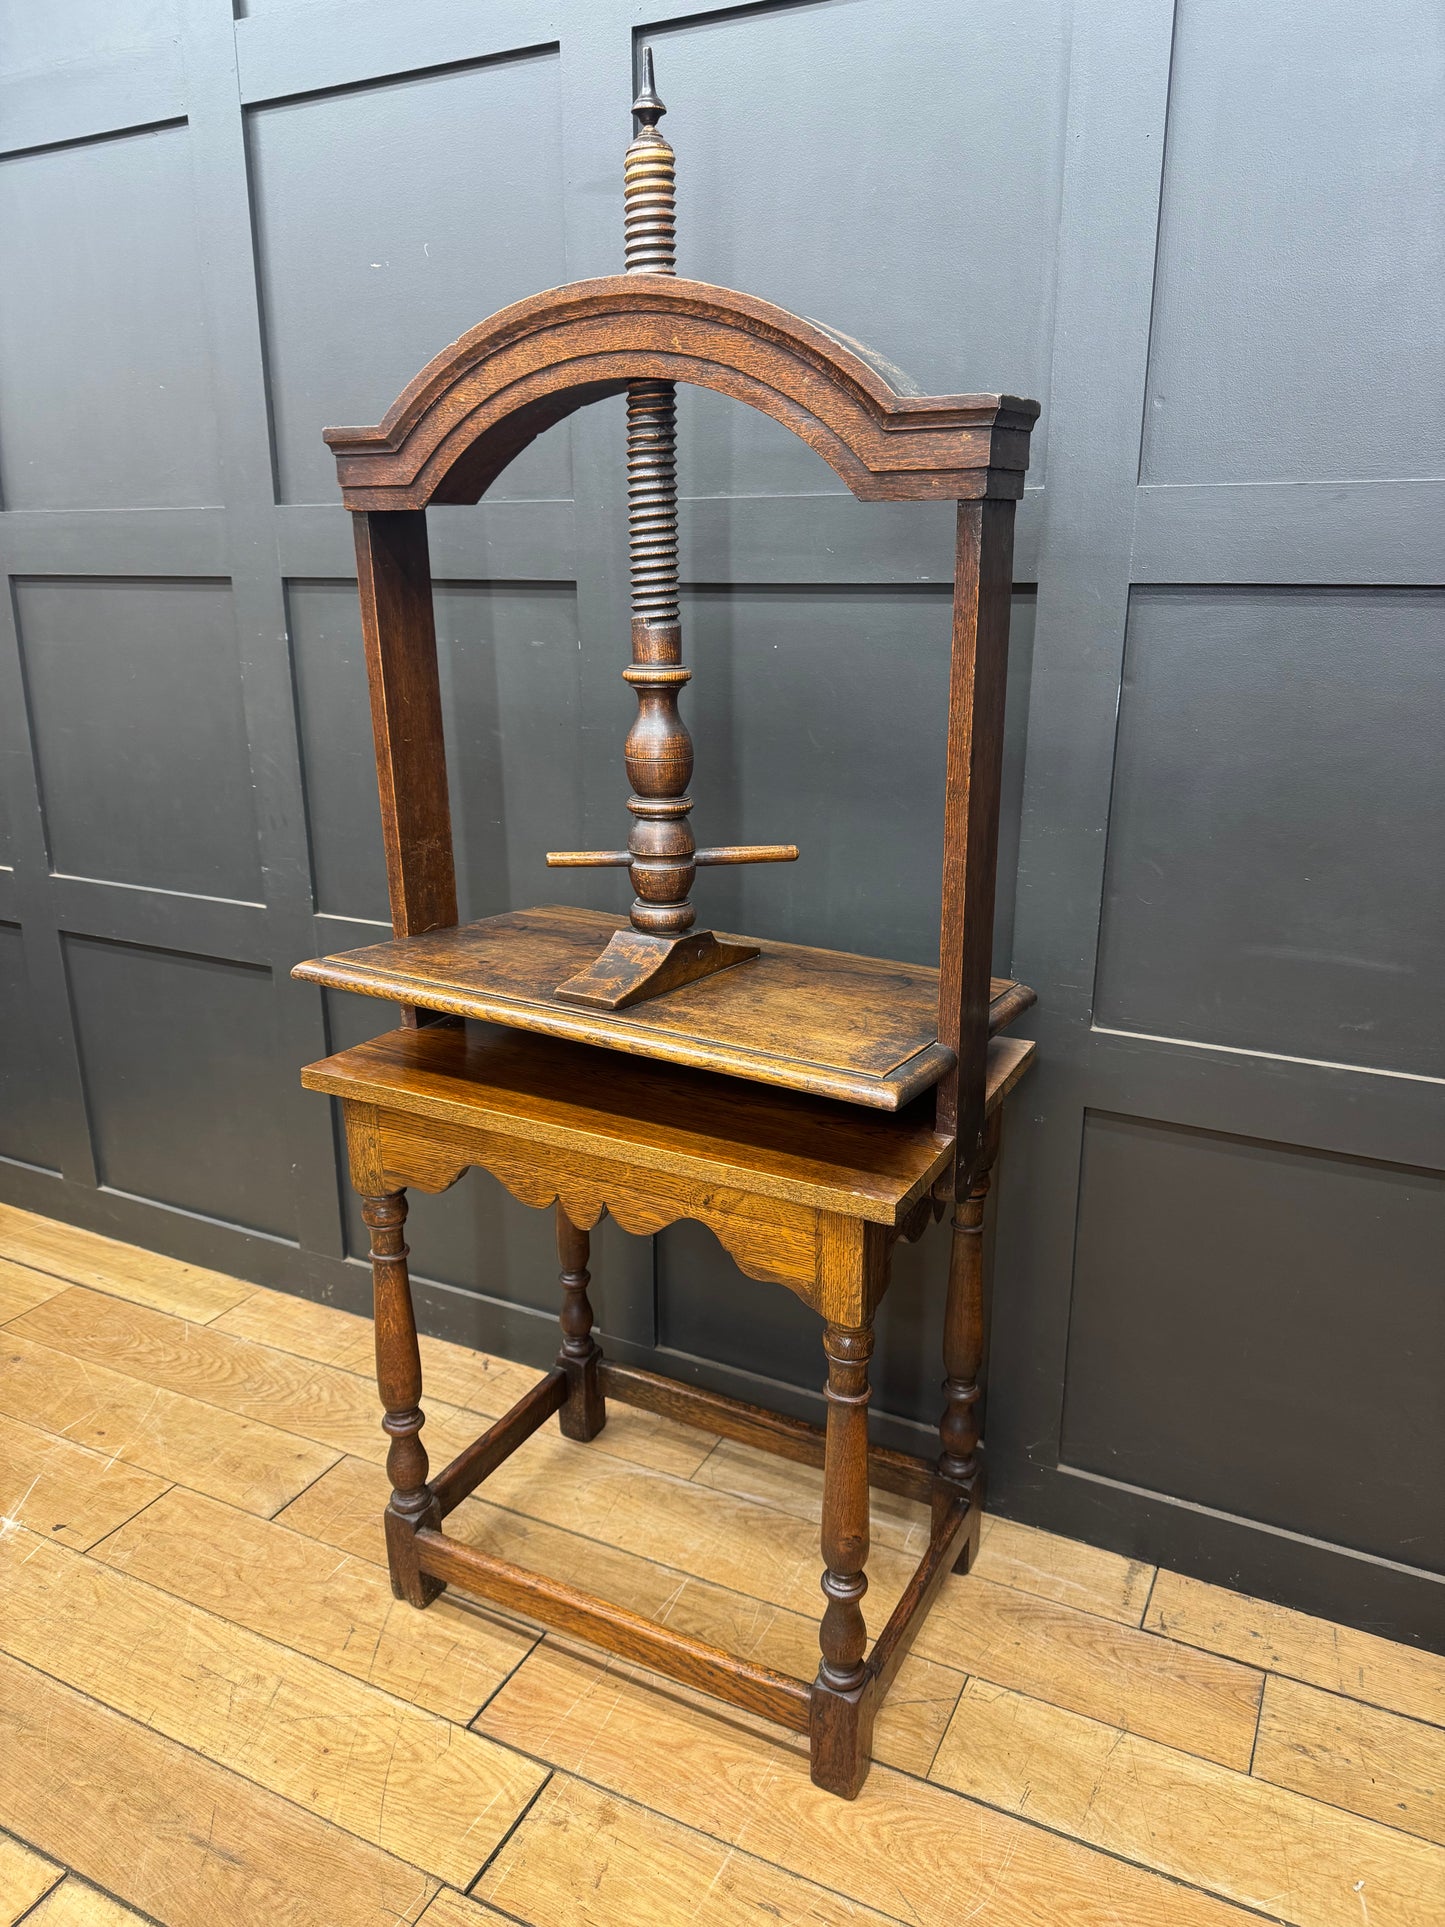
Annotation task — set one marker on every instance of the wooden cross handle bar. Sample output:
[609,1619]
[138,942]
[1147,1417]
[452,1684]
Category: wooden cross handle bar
[724,853]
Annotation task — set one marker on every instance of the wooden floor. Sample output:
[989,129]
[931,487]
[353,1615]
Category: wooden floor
[212,1711]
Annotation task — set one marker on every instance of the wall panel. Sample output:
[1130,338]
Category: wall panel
[39,37]
[27,1129]
[183,1080]
[510,690]
[932,157]
[1248,1333]
[105,381]
[460,213]
[135,705]
[1301,251]
[1276,798]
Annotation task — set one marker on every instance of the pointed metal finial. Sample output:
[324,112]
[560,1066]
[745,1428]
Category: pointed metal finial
[647,107]
[649,205]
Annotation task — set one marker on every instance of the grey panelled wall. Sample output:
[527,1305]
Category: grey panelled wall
[1208,237]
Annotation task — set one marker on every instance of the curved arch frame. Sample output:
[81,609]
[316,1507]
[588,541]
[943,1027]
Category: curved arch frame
[473,408]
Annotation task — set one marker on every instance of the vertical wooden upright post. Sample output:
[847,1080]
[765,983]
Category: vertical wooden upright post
[960,1462]
[842,1708]
[585,1413]
[398,1379]
[983,585]
[393,569]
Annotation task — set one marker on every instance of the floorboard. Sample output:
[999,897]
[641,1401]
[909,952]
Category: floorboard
[175,1437]
[1230,1832]
[173,1835]
[213,1712]
[145,1277]
[65,1490]
[74,1904]
[24,1877]
[1381,1765]
[1338,1658]
[390,1773]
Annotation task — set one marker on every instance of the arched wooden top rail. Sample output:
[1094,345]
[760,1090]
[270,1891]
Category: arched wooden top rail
[471,410]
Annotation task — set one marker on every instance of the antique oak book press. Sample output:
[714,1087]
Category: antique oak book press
[811,1108]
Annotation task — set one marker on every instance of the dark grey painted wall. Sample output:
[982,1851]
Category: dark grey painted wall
[1208,238]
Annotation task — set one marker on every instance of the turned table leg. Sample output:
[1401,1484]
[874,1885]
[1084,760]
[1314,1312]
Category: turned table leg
[959,1466]
[585,1413]
[842,1710]
[398,1379]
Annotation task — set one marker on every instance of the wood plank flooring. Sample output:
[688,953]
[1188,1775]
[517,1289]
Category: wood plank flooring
[214,1714]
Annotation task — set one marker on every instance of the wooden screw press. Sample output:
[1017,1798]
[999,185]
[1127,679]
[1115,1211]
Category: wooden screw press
[810,1107]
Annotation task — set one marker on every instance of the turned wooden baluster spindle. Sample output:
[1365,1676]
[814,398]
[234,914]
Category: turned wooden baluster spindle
[661,855]
[843,1636]
[584,1414]
[398,1375]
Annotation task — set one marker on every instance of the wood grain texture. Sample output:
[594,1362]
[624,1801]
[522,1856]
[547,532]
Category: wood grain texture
[21,1287]
[75,1904]
[148,1278]
[247,1464]
[452,1373]
[708,1534]
[63,1491]
[24,1877]
[460,421]
[279,1583]
[787,1486]
[1338,1658]
[274,1645]
[1380,1765]
[334,1409]
[593,1860]
[451,1909]
[466,1472]
[905,1847]
[1064,1570]
[978,675]
[821,1021]
[399,629]
[1290,1858]
[174,1835]
[394,1776]
[775,1434]
[1117,1674]
[680,1123]
[767,1238]
[1019,1556]
[344,1510]
[1096,1665]
[663,1649]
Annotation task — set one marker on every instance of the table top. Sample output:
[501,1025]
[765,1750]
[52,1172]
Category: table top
[859,1029]
[696,1124]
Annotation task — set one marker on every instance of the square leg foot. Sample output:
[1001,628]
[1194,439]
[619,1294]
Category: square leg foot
[945,1496]
[840,1737]
[408,1581]
[585,1412]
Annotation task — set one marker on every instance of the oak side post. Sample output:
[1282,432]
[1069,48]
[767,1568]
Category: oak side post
[393,570]
[960,1467]
[398,1379]
[585,1413]
[841,1733]
[983,586]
